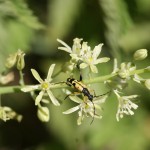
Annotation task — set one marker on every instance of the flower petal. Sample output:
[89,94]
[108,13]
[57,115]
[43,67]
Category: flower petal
[36,75]
[66,48]
[30,88]
[50,71]
[53,99]
[39,98]
[83,65]
[71,110]
[97,50]
[93,68]
[102,60]
[76,99]
[115,67]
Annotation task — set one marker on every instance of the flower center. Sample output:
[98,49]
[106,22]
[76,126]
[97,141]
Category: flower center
[86,106]
[45,85]
[90,59]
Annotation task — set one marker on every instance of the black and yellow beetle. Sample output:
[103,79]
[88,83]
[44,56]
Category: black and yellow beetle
[80,87]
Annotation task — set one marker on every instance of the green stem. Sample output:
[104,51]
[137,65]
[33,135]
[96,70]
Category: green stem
[21,81]
[10,89]
[17,88]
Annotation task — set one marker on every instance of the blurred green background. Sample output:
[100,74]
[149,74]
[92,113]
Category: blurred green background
[33,26]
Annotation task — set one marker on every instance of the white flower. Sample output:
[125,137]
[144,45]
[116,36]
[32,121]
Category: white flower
[6,113]
[125,70]
[86,107]
[90,58]
[44,86]
[84,54]
[125,105]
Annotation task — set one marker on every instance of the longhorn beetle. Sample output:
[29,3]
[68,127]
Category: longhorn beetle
[83,89]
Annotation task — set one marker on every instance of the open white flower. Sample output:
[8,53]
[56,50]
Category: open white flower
[44,86]
[84,54]
[86,107]
[125,105]
[90,58]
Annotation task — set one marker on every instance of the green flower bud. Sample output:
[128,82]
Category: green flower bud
[147,83]
[43,114]
[20,60]
[140,54]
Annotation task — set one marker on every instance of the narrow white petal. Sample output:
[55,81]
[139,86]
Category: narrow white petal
[65,49]
[101,60]
[134,106]
[130,111]
[129,97]
[36,75]
[79,120]
[53,99]
[30,88]
[97,50]
[76,99]
[64,44]
[39,98]
[50,71]
[115,67]
[71,110]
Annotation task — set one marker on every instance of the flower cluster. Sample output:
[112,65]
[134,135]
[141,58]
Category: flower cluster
[125,105]
[88,104]
[86,107]
[6,113]
[82,55]
[124,73]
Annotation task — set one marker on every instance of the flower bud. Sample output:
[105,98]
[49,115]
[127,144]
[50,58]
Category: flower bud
[20,61]
[147,83]
[140,54]
[43,114]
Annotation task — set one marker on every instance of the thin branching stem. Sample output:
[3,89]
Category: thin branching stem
[17,88]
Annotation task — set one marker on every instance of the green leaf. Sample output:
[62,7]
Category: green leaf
[17,25]
[117,21]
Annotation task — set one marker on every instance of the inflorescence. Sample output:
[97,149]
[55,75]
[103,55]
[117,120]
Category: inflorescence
[85,60]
